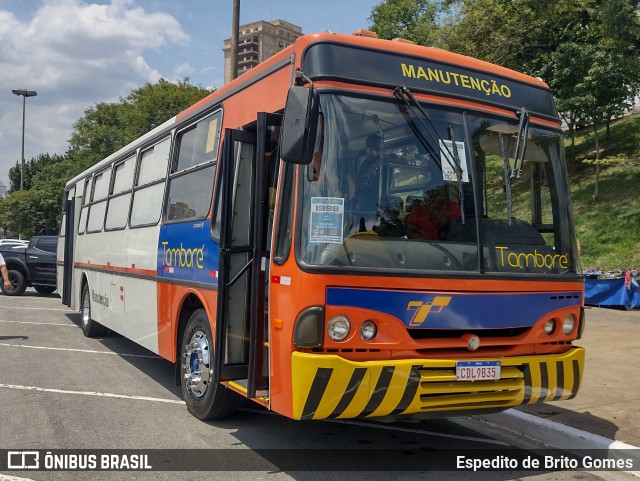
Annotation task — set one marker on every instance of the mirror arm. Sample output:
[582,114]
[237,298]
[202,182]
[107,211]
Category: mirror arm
[301,79]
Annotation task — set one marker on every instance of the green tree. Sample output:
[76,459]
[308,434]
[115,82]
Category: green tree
[107,127]
[99,133]
[31,168]
[153,104]
[595,91]
[596,75]
[413,20]
[104,128]
[586,50]
[518,34]
[16,213]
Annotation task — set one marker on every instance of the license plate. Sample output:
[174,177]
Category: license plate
[477,370]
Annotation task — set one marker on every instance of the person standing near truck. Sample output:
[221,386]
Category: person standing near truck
[5,274]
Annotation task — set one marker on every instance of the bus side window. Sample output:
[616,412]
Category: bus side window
[98,206]
[85,206]
[191,183]
[120,197]
[285,215]
[149,186]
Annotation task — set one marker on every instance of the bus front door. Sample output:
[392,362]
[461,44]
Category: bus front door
[67,254]
[235,202]
[244,186]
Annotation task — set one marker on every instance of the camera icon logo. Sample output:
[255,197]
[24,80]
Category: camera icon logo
[23,460]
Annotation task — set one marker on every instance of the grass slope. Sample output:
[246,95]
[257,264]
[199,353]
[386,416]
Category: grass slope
[609,226]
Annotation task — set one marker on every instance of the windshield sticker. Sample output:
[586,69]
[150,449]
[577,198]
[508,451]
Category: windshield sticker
[446,152]
[327,220]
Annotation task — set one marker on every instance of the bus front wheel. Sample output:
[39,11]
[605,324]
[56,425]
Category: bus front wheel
[205,399]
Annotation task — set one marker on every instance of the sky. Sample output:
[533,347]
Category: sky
[76,54]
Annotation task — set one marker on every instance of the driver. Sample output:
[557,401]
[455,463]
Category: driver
[430,218]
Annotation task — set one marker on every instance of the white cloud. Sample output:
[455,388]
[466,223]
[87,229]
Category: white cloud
[74,54]
[183,70]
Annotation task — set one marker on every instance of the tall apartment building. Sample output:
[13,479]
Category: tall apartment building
[257,42]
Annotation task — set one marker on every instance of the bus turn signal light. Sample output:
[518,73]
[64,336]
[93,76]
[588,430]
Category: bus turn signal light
[308,330]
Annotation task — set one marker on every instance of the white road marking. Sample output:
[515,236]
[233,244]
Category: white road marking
[5,477]
[29,308]
[35,308]
[90,393]
[40,323]
[80,350]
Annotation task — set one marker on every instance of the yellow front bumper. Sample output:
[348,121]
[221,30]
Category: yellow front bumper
[328,386]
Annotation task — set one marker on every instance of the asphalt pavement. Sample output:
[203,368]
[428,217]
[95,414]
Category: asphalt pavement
[603,414]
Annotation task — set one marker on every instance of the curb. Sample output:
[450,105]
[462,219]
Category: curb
[556,435]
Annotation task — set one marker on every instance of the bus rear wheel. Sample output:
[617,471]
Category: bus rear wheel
[205,399]
[90,328]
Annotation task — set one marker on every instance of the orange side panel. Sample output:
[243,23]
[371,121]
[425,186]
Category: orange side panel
[171,298]
[166,328]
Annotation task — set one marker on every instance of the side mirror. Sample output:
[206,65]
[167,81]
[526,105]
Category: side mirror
[300,125]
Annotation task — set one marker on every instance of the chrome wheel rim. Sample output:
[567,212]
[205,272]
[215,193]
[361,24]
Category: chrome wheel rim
[86,308]
[196,364]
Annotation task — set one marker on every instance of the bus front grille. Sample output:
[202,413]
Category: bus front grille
[439,389]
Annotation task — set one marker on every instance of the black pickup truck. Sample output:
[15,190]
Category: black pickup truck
[33,265]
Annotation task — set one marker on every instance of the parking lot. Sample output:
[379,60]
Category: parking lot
[60,390]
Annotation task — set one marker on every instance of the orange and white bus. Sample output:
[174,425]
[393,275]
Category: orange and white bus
[356,227]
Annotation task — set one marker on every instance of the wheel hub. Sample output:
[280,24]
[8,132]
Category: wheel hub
[196,364]
[86,309]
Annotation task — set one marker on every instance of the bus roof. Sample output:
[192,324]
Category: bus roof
[350,58]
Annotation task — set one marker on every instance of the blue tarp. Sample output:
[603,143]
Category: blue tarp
[611,292]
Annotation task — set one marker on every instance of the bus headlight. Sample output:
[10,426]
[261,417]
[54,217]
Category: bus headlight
[568,324]
[550,326]
[368,330]
[338,328]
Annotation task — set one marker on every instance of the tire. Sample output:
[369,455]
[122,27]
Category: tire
[205,399]
[90,328]
[18,282]
[44,289]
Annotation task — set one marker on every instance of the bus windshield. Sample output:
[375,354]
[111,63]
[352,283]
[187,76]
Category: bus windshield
[387,189]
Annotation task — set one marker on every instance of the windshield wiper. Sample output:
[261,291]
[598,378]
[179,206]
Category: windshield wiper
[521,140]
[404,94]
[507,177]
[515,171]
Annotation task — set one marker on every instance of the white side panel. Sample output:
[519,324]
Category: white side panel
[141,295]
[141,247]
[141,312]
[121,266]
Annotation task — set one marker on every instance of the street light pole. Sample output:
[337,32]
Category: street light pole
[24,93]
[235,27]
